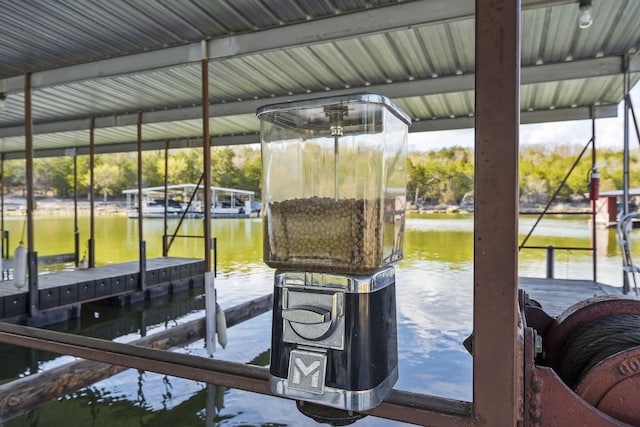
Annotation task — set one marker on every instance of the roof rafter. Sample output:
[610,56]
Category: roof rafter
[598,67]
[526,117]
[403,15]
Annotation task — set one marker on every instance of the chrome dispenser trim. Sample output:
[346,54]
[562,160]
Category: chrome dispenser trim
[282,113]
[331,281]
[313,318]
[360,400]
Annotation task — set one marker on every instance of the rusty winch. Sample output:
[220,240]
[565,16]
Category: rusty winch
[582,367]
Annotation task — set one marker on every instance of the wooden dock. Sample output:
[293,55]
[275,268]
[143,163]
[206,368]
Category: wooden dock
[117,283]
[556,295]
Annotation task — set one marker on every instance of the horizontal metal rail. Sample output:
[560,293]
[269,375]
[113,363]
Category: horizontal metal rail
[555,213]
[566,248]
[399,405]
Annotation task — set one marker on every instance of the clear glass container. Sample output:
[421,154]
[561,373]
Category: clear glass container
[334,183]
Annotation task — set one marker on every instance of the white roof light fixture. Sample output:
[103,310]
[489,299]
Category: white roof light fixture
[584,17]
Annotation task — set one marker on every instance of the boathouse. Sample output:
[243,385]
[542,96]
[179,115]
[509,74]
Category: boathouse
[187,199]
[609,205]
[83,78]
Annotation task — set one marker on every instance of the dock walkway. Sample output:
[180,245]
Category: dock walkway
[556,295]
[117,282]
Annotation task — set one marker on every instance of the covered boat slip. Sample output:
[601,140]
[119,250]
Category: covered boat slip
[187,200]
[198,79]
[60,293]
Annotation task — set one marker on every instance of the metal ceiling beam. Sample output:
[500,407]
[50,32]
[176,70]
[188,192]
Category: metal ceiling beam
[343,26]
[590,68]
[526,117]
[357,24]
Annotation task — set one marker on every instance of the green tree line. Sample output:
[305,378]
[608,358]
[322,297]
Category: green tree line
[54,176]
[442,176]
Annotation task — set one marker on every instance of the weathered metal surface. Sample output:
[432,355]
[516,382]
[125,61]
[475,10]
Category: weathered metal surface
[580,314]
[613,386]
[553,404]
[548,400]
[29,392]
[399,405]
[496,402]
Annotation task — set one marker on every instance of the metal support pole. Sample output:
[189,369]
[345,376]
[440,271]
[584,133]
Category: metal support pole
[206,154]
[625,177]
[32,265]
[76,231]
[551,260]
[209,279]
[92,228]
[165,249]
[2,231]
[142,258]
[594,254]
[2,195]
[495,314]
[626,288]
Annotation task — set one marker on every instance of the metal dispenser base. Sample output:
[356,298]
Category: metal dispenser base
[334,338]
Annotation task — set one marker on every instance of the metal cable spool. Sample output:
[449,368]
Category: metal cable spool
[595,341]
[595,348]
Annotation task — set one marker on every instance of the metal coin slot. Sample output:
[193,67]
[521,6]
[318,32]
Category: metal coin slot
[311,323]
[313,317]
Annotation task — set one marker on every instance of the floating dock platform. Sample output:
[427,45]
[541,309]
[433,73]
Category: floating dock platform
[61,294]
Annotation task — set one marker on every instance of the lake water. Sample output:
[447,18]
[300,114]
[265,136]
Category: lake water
[434,314]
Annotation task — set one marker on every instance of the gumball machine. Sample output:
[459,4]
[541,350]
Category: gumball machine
[334,193]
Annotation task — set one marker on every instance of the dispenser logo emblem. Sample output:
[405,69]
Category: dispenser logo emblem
[307,370]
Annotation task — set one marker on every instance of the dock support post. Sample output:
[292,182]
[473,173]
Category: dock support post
[594,239]
[92,231]
[210,291]
[2,208]
[143,266]
[551,254]
[165,248]
[495,271]
[76,231]
[206,155]
[32,259]
[32,280]
[210,312]
[626,288]
[142,258]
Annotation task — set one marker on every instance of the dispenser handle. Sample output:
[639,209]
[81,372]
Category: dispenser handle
[307,315]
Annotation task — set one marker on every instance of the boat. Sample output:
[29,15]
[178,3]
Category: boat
[155,208]
[188,199]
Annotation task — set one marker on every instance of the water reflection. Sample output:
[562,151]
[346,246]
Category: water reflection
[434,309]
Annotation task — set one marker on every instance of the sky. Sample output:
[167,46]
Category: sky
[609,132]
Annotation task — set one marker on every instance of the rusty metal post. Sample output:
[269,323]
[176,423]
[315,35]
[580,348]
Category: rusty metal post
[92,225]
[206,154]
[626,288]
[2,231]
[551,261]
[2,192]
[625,174]
[165,249]
[594,240]
[32,264]
[76,231]
[142,257]
[496,385]
[209,285]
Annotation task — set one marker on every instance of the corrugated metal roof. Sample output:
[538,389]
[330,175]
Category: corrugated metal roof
[422,67]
